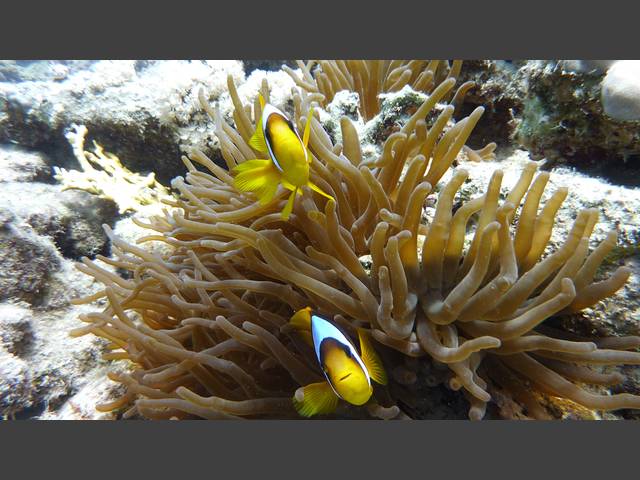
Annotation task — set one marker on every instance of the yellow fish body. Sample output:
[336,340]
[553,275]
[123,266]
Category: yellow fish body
[288,162]
[348,373]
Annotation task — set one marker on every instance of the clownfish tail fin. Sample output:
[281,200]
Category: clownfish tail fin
[315,399]
[371,359]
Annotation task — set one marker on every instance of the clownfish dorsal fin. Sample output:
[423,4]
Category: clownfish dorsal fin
[301,320]
[307,129]
[315,399]
[257,141]
[371,359]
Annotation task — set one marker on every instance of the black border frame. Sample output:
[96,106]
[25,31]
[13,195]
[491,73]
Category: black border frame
[288,29]
[319,449]
[498,29]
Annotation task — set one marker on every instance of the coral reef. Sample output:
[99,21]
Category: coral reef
[561,111]
[144,110]
[586,66]
[499,87]
[43,231]
[34,70]
[265,65]
[469,286]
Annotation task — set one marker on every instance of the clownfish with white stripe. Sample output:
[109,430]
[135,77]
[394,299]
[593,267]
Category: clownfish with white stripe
[288,162]
[348,373]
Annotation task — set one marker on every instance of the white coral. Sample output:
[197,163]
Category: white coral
[129,190]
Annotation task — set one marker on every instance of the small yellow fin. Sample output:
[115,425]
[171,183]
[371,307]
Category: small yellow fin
[258,176]
[301,320]
[287,185]
[371,359]
[307,129]
[248,165]
[288,208]
[261,99]
[318,399]
[257,141]
[316,188]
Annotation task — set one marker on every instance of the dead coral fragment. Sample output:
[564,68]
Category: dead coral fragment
[206,325]
[131,191]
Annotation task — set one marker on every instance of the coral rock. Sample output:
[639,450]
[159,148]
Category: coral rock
[18,165]
[142,110]
[26,262]
[621,91]
[71,219]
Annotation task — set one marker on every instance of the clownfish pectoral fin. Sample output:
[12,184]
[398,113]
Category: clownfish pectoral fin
[257,141]
[317,189]
[288,208]
[315,399]
[371,359]
[258,176]
[261,99]
[301,320]
[307,129]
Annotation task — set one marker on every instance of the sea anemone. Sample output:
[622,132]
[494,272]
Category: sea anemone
[205,325]
[370,78]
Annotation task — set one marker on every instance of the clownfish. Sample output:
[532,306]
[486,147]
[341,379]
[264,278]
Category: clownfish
[288,162]
[348,373]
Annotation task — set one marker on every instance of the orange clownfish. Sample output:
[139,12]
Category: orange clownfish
[288,162]
[348,373]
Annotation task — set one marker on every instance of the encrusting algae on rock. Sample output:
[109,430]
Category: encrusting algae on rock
[207,328]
